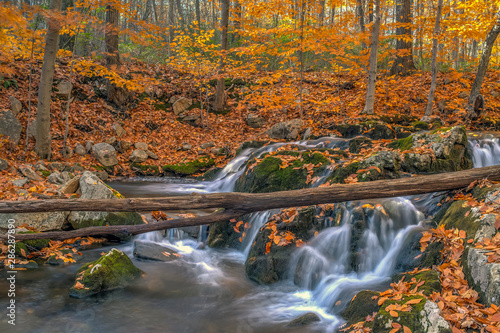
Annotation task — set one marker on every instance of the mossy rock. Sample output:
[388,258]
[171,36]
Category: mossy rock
[411,319]
[210,174]
[349,130]
[112,271]
[267,176]
[420,125]
[454,217]
[359,142]
[190,168]
[361,306]
[431,278]
[273,267]
[304,320]
[45,173]
[110,218]
[379,131]
[342,172]
[402,144]
[36,244]
[145,169]
[251,144]
[21,250]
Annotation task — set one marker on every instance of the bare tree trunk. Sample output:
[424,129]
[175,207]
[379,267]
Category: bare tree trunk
[360,13]
[404,59]
[219,95]
[428,109]
[475,94]
[237,21]
[198,12]
[171,31]
[43,138]
[301,59]
[117,95]
[321,14]
[372,73]
[182,19]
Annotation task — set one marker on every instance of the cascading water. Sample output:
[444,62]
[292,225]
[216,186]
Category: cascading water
[485,152]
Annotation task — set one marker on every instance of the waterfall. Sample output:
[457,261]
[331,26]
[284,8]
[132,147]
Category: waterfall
[485,152]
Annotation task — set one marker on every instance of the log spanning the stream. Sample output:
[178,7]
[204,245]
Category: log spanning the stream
[237,204]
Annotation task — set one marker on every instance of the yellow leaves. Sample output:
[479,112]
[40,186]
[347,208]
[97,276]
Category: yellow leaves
[79,285]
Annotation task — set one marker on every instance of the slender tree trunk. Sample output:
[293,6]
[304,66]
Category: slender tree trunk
[372,73]
[117,95]
[237,21]
[428,109]
[198,12]
[486,49]
[360,13]
[171,28]
[182,19]
[219,95]
[403,64]
[301,58]
[321,14]
[43,138]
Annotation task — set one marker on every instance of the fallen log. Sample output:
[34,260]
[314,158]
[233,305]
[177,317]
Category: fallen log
[238,204]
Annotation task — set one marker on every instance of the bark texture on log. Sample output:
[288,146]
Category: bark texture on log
[238,204]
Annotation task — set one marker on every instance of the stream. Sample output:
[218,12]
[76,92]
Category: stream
[206,290]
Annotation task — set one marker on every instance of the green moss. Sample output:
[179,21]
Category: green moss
[361,306]
[111,218]
[420,125]
[359,142]
[45,173]
[402,144]
[20,247]
[145,169]
[431,278]
[341,173]
[411,319]
[190,168]
[113,270]
[454,217]
[441,130]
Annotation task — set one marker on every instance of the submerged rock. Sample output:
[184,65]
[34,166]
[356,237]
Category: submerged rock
[304,320]
[112,271]
[154,251]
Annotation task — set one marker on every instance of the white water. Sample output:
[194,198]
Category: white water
[323,277]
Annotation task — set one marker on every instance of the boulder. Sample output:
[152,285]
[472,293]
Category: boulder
[112,271]
[304,320]
[20,182]
[55,178]
[288,130]
[123,146]
[186,169]
[88,145]
[80,150]
[43,221]
[3,164]
[186,146]
[15,105]
[181,105]
[485,276]
[255,121]
[138,156]
[102,175]
[207,145]
[151,155]
[111,140]
[141,145]
[154,251]
[10,127]
[70,186]
[64,88]
[93,188]
[30,173]
[105,154]
[192,119]
[119,130]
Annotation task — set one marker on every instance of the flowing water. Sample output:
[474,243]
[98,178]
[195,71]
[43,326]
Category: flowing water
[206,290]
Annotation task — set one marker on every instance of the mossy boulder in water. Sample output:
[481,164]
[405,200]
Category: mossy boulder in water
[304,320]
[112,271]
[269,175]
[189,168]
[93,188]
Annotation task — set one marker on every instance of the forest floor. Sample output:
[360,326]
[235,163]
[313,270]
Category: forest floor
[327,98]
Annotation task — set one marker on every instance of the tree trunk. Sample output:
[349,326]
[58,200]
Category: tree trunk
[428,109]
[372,73]
[171,28]
[482,67]
[219,95]
[403,64]
[181,14]
[198,12]
[237,22]
[238,204]
[43,138]
[116,95]
[360,13]
[321,14]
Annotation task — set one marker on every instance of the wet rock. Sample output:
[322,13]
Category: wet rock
[112,271]
[102,175]
[186,169]
[361,306]
[70,186]
[30,173]
[387,162]
[10,127]
[105,154]
[181,105]
[357,143]
[485,276]
[93,188]
[288,130]
[20,182]
[255,121]
[138,156]
[80,150]
[141,145]
[15,105]
[119,130]
[304,320]
[154,251]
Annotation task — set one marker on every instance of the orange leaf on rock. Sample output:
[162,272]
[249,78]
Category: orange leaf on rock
[78,285]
